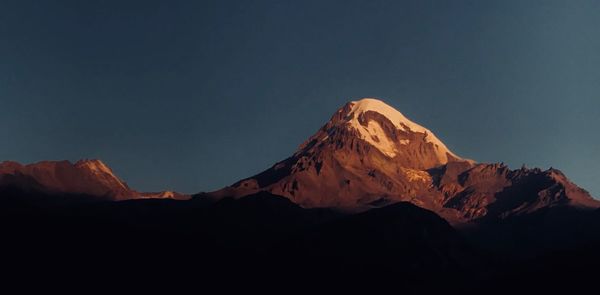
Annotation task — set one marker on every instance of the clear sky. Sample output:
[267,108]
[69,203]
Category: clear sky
[194,95]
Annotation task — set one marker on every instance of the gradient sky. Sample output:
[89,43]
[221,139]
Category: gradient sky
[194,95]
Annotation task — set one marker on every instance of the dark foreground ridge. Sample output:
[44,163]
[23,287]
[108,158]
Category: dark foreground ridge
[264,241]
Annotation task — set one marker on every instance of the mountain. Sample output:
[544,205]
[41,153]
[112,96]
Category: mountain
[369,155]
[487,191]
[91,178]
[372,200]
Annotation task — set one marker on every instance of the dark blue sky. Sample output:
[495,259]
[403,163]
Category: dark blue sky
[194,95]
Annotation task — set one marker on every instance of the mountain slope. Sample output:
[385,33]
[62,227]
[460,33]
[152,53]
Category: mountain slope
[370,155]
[86,177]
[367,153]
[493,191]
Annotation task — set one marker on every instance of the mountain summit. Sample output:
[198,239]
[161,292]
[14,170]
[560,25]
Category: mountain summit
[370,155]
[388,130]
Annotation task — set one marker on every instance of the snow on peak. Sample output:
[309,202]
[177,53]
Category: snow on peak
[376,105]
[375,135]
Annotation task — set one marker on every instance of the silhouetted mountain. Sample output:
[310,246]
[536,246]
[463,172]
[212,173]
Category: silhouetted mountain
[399,243]
[266,242]
[250,239]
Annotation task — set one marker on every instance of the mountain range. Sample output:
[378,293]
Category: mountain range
[371,198]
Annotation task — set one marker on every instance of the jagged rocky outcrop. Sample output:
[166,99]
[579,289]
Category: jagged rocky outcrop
[488,191]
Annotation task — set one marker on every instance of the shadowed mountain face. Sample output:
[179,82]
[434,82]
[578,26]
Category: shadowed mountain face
[266,242]
[90,178]
[369,155]
[260,239]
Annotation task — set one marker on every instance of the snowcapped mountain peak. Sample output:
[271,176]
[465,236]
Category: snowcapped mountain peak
[372,131]
[376,105]
[368,155]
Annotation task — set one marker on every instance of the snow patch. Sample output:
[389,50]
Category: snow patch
[416,175]
[375,135]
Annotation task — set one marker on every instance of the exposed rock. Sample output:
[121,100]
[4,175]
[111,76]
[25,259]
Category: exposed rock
[370,155]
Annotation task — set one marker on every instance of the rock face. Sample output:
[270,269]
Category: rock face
[493,191]
[86,177]
[370,155]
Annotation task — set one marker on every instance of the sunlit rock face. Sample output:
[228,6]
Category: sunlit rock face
[90,178]
[370,155]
